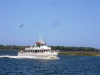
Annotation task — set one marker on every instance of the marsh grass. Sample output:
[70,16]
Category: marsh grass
[80,53]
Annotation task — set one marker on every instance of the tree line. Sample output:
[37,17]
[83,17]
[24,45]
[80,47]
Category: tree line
[60,48]
[64,48]
[11,47]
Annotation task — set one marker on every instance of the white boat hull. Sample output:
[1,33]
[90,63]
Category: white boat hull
[39,55]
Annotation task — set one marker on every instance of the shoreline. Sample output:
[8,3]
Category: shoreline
[79,53]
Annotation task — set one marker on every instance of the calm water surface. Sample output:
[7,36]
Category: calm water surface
[66,65]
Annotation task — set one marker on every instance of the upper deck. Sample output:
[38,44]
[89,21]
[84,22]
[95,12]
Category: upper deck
[39,45]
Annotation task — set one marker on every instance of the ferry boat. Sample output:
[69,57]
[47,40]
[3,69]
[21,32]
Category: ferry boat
[40,50]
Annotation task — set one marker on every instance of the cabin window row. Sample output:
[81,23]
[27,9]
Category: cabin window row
[37,51]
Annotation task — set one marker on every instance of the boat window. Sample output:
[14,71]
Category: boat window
[36,51]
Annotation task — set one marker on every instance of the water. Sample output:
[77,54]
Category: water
[66,65]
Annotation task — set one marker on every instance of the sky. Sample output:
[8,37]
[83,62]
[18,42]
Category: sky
[58,22]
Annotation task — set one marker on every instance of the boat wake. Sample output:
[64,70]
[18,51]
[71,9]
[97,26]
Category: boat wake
[7,56]
[23,57]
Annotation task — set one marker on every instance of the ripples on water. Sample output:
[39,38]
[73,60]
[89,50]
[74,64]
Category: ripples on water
[66,65]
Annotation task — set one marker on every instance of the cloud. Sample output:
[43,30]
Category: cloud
[22,25]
